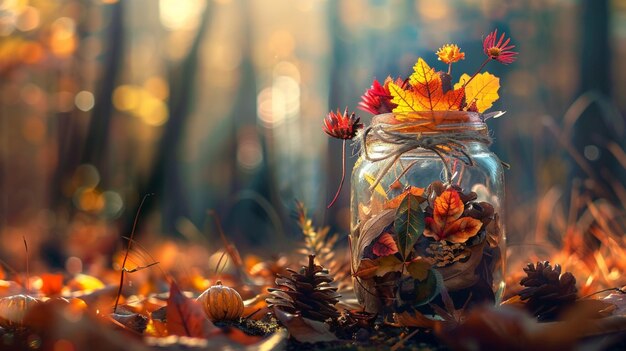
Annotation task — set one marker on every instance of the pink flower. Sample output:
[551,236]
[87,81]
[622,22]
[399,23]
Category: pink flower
[501,51]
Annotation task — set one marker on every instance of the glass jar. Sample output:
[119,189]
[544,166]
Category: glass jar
[426,212]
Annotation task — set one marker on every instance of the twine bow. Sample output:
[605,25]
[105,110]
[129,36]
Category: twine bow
[448,144]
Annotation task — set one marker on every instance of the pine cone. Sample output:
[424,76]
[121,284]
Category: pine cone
[307,293]
[444,253]
[547,290]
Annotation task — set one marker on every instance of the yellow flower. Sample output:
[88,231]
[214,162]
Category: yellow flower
[450,53]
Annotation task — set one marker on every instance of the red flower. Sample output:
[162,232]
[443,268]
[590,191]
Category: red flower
[377,98]
[341,126]
[501,51]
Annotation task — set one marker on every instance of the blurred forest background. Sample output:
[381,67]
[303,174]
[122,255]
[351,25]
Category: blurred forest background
[217,105]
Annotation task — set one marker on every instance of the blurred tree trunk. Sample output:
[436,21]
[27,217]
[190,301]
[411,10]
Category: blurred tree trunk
[97,138]
[94,144]
[164,179]
[339,69]
[595,51]
[243,215]
[595,127]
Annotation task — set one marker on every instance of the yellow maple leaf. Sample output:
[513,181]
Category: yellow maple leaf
[426,85]
[408,100]
[426,93]
[482,90]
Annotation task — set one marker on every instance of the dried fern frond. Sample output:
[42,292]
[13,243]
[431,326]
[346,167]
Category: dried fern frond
[321,243]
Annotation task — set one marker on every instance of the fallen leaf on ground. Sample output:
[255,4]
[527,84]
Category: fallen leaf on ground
[303,329]
[185,316]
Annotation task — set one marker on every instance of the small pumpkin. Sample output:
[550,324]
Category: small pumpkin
[221,302]
[13,310]
[72,306]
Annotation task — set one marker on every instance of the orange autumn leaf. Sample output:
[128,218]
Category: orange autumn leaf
[453,99]
[426,93]
[241,338]
[447,224]
[185,317]
[394,186]
[395,202]
[448,207]
[385,245]
[51,284]
[462,229]
[256,307]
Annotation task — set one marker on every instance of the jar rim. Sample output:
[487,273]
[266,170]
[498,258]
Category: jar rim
[431,121]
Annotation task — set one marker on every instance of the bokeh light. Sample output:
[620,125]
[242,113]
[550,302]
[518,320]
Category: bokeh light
[114,204]
[84,100]
[158,87]
[249,153]
[28,19]
[86,175]
[126,97]
[281,101]
[63,41]
[180,14]
[151,110]
[89,200]
[144,102]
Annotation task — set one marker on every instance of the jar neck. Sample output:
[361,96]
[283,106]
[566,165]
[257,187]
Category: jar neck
[447,134]
[432,122]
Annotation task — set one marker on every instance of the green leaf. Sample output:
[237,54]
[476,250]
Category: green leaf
[429,288]
[408,223]
[417,293]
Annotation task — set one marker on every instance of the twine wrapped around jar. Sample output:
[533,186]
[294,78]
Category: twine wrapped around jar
[450,144]
[427,135]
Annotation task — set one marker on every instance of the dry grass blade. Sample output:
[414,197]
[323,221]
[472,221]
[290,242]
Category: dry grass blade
[27,269]
[130,241]
[230,248]
[143,253]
